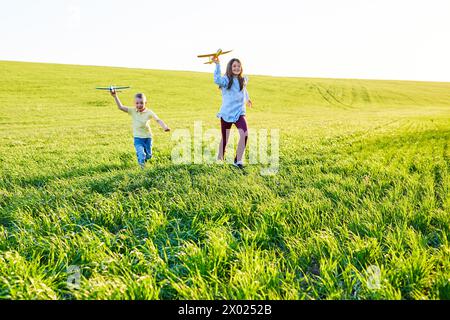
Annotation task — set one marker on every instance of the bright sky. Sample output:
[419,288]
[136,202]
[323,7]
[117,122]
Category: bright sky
[383,39]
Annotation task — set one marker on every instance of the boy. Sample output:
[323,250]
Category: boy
[141,126]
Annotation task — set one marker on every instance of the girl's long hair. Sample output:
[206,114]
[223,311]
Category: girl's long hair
[230,74]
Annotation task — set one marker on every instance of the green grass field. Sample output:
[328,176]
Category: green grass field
[364,180]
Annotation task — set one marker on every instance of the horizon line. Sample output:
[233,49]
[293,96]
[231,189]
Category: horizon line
[204,72]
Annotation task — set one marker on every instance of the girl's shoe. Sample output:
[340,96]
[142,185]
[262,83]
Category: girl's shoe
[238,164]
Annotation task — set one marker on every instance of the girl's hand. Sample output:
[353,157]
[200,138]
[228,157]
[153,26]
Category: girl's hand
[167,129]
[249,104]
[216,60]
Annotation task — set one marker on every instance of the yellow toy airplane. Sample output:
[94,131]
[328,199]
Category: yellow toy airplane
[213,55]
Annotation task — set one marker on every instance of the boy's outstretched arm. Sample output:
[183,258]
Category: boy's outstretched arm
[161,123]
[119,104]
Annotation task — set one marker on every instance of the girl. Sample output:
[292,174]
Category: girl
[141,126]
[234,98]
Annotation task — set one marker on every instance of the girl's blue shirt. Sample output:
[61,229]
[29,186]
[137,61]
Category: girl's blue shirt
[233,100]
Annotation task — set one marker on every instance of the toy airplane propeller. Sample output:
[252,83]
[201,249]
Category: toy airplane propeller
[113,88]
[213,55]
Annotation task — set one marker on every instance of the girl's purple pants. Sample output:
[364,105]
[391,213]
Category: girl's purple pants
[241,125]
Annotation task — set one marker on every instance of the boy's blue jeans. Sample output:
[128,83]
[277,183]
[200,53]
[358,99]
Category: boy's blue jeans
[143,148]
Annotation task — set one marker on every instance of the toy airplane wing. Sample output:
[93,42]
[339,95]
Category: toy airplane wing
[213,54]
[206,55]
[111,88]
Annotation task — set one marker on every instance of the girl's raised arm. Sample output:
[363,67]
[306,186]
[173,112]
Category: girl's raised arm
[218,79]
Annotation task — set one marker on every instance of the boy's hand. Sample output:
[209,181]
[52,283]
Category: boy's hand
[113,92]
[167,129]
[249,104]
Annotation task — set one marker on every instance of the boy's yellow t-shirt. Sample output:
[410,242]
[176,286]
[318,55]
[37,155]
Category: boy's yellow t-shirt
[141,122]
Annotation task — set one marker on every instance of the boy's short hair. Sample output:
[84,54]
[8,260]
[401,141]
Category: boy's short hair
[140,96]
